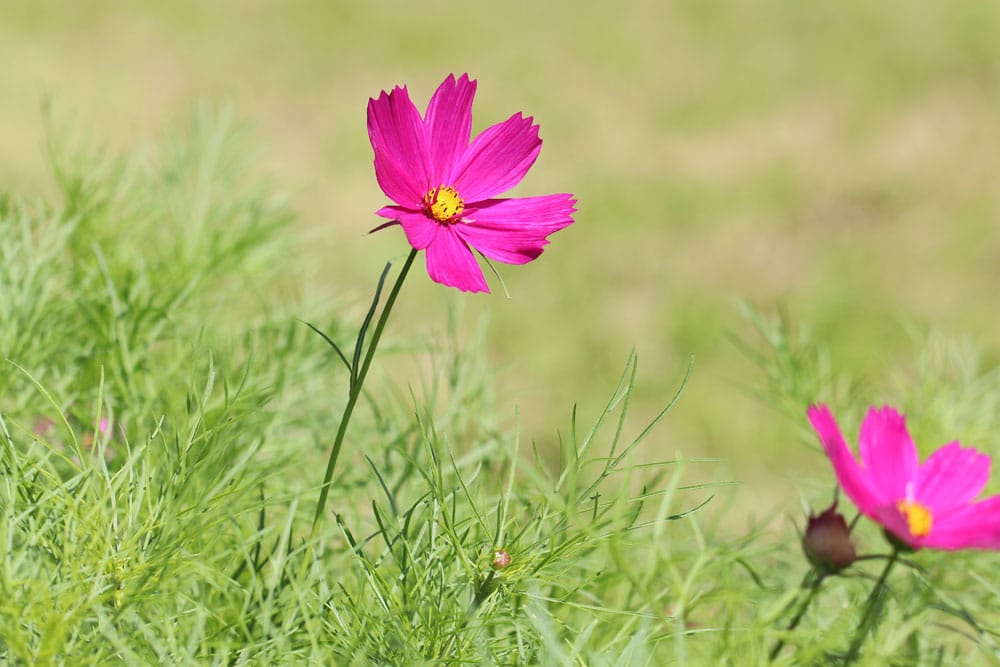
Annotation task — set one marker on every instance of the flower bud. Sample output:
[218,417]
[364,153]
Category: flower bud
[501,559]
[827,541]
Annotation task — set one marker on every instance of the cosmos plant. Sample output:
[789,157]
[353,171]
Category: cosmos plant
[445,188]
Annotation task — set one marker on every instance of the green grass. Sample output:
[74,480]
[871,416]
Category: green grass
[835,161]
[180,533]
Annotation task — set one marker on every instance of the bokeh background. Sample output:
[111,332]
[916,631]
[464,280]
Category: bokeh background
[839,160]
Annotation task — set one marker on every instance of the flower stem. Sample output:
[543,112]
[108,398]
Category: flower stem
[872,608]
[354,392]
[813,590]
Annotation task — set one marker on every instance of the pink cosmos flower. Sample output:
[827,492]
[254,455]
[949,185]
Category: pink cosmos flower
[927,504]
[445,187]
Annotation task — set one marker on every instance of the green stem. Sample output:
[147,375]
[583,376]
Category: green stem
[483,590]
[794,623]
[355,392]
[872,607]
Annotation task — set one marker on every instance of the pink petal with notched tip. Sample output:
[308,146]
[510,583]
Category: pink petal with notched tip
[515,230]
[396,132]
[497,160]
[855,480]
[887,452]
[451,262]
[448,123]
[975,526]
[951,477]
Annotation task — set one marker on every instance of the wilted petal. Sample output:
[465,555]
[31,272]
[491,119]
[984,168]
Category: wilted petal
[396,132]
[515,230]
[448,122]
[451,262]
[888,452]
[853,479]
[498,159]
[952,477]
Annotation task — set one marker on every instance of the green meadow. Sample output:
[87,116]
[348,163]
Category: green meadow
[780,204]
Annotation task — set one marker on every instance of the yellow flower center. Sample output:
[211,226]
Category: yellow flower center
[443,203]
[918,517]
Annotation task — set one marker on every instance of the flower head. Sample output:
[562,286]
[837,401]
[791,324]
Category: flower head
[445,188]
[929,504]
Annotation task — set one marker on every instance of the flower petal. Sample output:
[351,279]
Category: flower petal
[975,526]
[893,520]
[448,124]
[451,262]
[396,132]
[420,230]
[515,230]
[498,159]
[888,452]
[852,477]
[952,477]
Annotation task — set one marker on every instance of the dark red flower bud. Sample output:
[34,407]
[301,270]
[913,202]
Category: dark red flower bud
[827,541]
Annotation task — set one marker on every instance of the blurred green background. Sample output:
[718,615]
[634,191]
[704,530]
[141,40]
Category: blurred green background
[840,159]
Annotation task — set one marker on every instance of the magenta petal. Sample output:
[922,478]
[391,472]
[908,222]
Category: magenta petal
[852,478]
[893,520]
[451,262]
[515,230]
[396,132]
[888,452]
[448,123]
[975,526]
[420,230]
[951,477]
[498,159]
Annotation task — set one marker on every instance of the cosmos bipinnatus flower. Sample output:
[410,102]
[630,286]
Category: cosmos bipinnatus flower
[930,504]
[445,187]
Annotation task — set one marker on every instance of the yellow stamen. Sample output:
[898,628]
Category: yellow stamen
[918,517]
[443,203]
